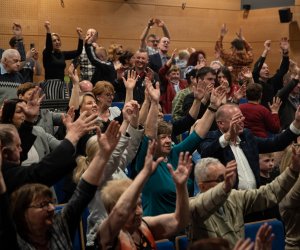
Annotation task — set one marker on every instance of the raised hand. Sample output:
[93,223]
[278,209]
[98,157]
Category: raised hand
[246,73]
[235,128]
[159,23]
[78,128]
[230,176]
[169,62]
[216,97]
[131,79]
[154,93]
[72,72]
[47,26]
[264,238]
[150,165]
[32,107]
[284,45]
[129,111]
[91,38]
[108,141]
[79,32]
[183,170]
[149,73]
[295,159]
[200,89]
[240,34]
[223,30]
[68,118]
[238,95]
[274,107]
[244,244]
[151,22]
[267,45]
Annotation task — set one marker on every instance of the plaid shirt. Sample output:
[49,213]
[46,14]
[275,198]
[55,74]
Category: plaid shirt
[237,60]
[86,68]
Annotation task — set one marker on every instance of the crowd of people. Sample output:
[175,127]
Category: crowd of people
[229,155]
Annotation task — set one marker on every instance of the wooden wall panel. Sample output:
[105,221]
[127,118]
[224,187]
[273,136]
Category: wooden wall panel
[122,22]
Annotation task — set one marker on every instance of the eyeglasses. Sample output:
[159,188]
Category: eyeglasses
[44,204]
[218,180]
[153,41]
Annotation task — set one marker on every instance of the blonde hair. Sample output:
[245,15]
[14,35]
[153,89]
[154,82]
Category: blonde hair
[112,191]
[83,162]
[112,52]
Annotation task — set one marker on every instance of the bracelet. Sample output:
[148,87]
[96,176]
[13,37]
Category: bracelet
[212,109]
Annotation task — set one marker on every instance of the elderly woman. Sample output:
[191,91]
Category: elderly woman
[125,228]
[54,63]
[37,226]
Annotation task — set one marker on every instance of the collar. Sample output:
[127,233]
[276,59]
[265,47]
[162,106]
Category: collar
[3,70]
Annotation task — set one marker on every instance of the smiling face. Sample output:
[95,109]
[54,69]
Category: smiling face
[140,60]
[89,104]
[264,73]
[56,42]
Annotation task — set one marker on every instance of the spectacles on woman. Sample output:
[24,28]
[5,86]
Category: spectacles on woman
[44,204]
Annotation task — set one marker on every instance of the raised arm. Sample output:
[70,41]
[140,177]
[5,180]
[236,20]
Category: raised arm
[49,45]
[162,25]
[145,33]
[166,225]
[75,53]
[130,84]
[259,63]
[74,99]
[151,122]
[127,203]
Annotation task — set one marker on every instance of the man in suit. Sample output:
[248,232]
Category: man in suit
[231,141]
[157,60]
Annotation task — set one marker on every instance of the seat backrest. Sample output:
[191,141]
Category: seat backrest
[181,242]
[277,229]
[165,245]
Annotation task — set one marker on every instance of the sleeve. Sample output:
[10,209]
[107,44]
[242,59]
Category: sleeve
[49,170]
[21,49]
[205,204]
[211,147]
[27,139]
[277,79]
[140,158]
[277,143]
[257,67]
[83,194]
[74,53]
[94,59]
[220,50]
[163,79]
[57,119]
[284,92]
[269,195]
[291,200]
[190,144]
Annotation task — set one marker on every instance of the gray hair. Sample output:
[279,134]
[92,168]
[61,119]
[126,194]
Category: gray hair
[201,168]
[8,53]
[6,134]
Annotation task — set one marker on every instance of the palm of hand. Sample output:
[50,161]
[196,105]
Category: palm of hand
[181,174]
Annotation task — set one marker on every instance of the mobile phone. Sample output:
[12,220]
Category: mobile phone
[31,45]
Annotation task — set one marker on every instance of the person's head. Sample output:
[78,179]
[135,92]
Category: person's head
[254,92]
[208,173]
[152,41]
[215,65]
[264,73]
[10,143]
[110,195]
[114,51]
[83,162]
[196,57]
[90,32]
[207,74]
[32,209]
[191,76]
[86,86]
[163,45]
[210,243]
[183,55]
[12,112]
[173,74]
[266,164]
[223,74]
[104,92]
[56,41]
[11,60]
[224,115]
[101,53]
[164,139]
[237,44]
[141,60]
[24,91]
[87,102]
[126,59]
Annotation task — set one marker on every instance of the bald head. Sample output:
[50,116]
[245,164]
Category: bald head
[86,86]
